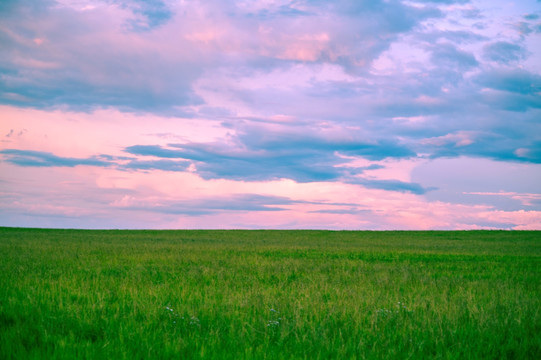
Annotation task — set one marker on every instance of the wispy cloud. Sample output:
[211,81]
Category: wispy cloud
[46,159]
[527,199]
[391,185]
[206,206]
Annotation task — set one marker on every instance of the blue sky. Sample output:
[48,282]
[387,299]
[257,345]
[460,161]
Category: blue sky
[270,114]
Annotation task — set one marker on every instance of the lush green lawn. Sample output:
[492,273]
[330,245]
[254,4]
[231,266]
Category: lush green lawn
[269,294]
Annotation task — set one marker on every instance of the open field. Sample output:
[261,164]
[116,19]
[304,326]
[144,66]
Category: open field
[68,294]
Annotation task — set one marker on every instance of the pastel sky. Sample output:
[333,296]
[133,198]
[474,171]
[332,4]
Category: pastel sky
[289,114]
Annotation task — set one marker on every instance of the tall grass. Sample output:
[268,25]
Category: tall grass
[68,294]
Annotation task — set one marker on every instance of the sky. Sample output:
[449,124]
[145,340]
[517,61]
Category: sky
[274,114]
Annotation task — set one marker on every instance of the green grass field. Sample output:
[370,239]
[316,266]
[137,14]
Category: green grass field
[67,294]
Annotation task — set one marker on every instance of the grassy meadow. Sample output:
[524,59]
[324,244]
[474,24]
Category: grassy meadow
[67,294]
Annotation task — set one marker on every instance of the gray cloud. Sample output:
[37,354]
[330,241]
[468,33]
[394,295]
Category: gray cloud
[449,56]
[153,13]
[349,211]
[31,158]
[261,153]
[391,185]
[504,52]
[213,162]
[207,206]
[155,150]
[514,80]
[447,1]
[43,65]
[46,159]
[165,165]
